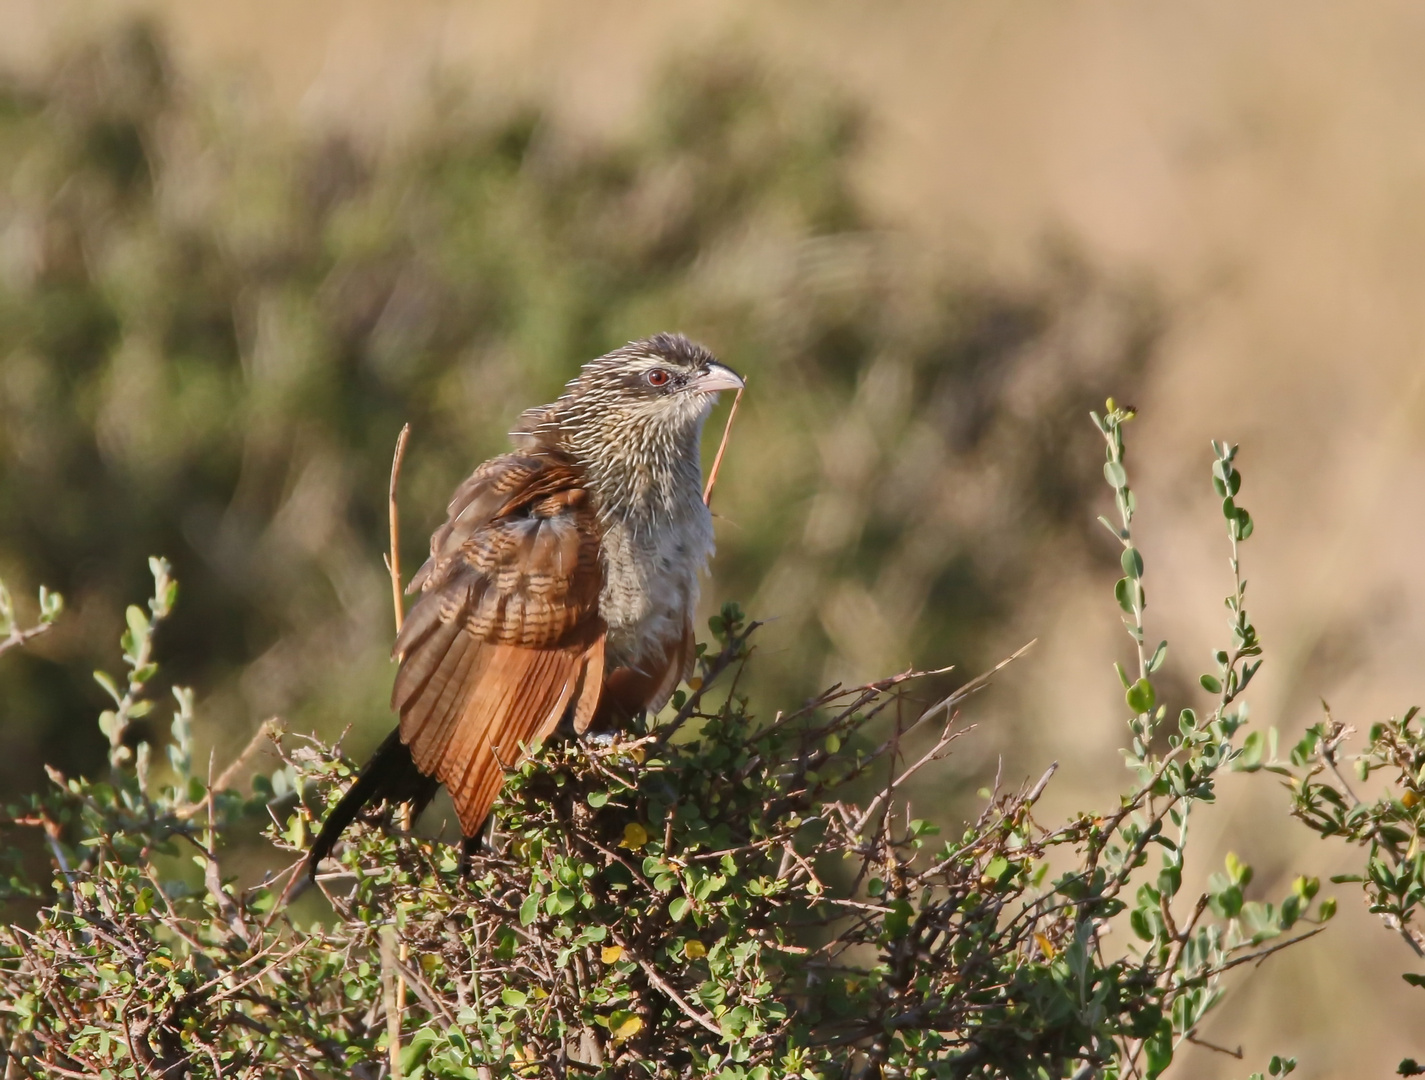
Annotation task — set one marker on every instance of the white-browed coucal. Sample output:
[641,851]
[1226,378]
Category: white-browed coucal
[560,588]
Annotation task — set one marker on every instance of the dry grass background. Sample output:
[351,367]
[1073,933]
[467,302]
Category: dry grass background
[1263,164]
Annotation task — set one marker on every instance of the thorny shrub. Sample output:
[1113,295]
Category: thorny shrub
[713,894]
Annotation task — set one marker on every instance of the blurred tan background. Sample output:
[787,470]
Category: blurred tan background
[1258,168]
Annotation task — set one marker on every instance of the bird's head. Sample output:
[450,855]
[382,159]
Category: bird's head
[660,390]
[634,416]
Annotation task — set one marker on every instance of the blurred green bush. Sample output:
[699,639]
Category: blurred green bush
[211,329]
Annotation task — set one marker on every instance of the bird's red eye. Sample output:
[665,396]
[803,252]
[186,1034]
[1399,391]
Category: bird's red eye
[657,377]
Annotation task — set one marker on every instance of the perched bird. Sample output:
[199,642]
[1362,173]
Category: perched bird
[560,588]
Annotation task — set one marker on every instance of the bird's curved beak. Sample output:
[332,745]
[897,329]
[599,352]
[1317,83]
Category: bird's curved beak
[716,378]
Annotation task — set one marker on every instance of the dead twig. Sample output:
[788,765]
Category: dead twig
[721,447]
[393,560]
[18,637]
[389,978]
[975,684]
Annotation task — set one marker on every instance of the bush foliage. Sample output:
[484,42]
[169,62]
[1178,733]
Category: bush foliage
[714,894]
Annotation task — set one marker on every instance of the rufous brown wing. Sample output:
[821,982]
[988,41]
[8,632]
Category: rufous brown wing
[504,641]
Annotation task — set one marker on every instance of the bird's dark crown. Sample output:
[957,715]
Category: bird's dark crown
[655,367]
[658,381]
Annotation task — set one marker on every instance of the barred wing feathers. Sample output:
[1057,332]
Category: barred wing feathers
[506,634]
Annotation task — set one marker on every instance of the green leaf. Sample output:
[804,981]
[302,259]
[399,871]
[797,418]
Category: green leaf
[512,997]
[1141,697]
[529,910]
[560,902]
[1114,473]
[1210,684]
[1159,655]
[1237,870]
[1242,525]
[597,799]
[137,621]
[1138,922]
[1132,562]
[104,680]
[898,920]
[678,907]
[1123,593]
[1159,1050]
[51,605]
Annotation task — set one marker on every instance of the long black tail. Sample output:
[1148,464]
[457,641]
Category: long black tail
[391,776]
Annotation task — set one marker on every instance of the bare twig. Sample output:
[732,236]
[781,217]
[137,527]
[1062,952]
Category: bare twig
[393,1009]
[393,564]
[18,637]
[651,973]
[975,684]
[721,447]
[264,731]
[1038,789]
[393,560]
[1193,1038]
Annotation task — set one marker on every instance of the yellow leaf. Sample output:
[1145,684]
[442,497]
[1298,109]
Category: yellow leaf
[694,949]
[627,1028]
[1045,946]
[612,954]
[634,836]
[695,683]
[1408,798]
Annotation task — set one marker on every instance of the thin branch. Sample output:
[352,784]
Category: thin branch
[1192,1037]
[393,560]
[721,447]
[975,684]
[18,637]
[1038,789]
[657,980]
[393,1011]
[264,731]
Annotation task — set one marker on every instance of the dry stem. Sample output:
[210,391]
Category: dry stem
[721,447]
[393,561]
